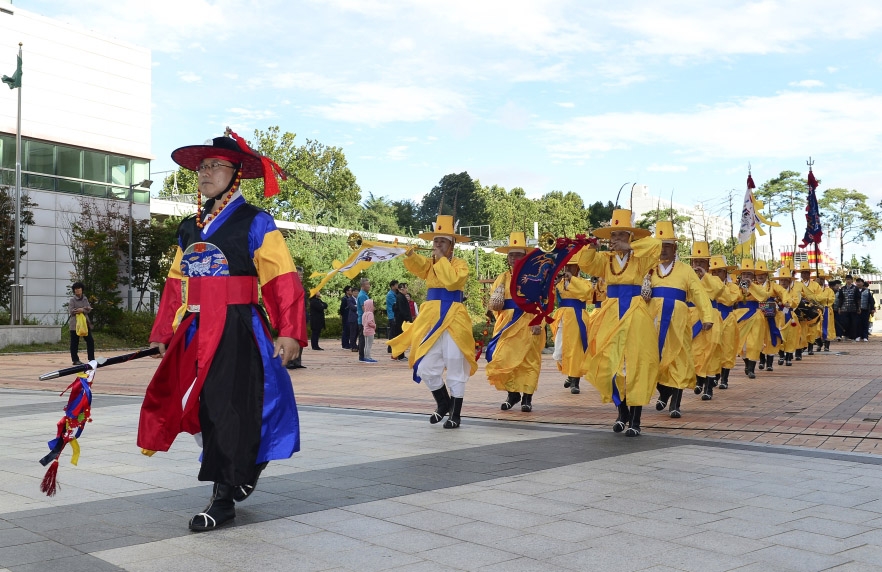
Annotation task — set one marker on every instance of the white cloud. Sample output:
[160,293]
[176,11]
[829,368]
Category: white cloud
[397,153]
[667,168]
[784,125]
[189,77]
[245,114]
[807,83]
[566,104]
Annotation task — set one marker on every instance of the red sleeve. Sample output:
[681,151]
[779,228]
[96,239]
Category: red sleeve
[163,326]
[283,298]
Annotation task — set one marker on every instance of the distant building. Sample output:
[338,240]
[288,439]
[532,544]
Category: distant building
[85,133]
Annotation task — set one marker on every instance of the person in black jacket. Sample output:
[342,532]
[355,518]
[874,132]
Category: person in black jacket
[317,308]
[343,312]
[402,312]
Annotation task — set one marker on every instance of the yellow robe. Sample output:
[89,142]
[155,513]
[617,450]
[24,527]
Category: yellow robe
[750,322]
[419,336]
[811,329]
[790,330]
[707,345]
[517,357]
[725,301]
[573,352]
[777,293]
[674,333]
[622,348]
[825,298]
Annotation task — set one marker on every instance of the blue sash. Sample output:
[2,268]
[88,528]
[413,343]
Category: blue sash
[624,293]
[825,322]
[447,298]
[578,306]
[774,332]
[723,309]
[670,296]
[753,306]
[491,345]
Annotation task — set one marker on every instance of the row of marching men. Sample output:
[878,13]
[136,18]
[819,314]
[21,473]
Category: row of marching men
[657,323]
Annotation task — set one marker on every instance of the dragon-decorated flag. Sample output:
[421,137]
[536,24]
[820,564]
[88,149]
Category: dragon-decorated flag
[533,276]
[361,258]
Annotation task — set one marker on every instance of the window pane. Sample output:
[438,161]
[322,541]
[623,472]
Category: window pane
[118,193]
[96,190]
[70,187]
[40,158]
[142,197]
[38,182]
[95,166]
[7,152]
[69,162]
[140,170]
[120,172]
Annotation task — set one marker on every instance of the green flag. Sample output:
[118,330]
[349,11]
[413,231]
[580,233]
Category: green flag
[15,80]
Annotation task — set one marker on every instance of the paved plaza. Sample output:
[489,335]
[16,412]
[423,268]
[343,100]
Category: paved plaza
[780,473]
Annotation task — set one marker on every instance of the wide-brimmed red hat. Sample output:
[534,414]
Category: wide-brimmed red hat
[234,149]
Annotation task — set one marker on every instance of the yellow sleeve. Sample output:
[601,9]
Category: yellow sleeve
[418,265]
[712,285]
[453,274]
[699,297]
[175,270]
[759,293]
[729,295]
[593,262]
[646,252]
[273,258]
[579,288]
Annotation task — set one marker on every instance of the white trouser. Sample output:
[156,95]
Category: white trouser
[558,342]
[445,354]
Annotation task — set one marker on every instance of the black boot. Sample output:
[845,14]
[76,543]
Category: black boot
[708,389]
[788,359]
[746,366]
[513,399]
[622,418]
[826,345]
[762,361]
[675,403]
[798,355]
[751,373]
[770,359]
[221,509]
[781,357]
[664,395]
[527,403]
[811,348]
[455,409]
[568,382]
[442,398]
[242,492]
[574,388]
[634,421]
[699,385]
[724,378]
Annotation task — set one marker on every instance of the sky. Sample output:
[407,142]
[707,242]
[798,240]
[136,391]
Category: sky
[567,95]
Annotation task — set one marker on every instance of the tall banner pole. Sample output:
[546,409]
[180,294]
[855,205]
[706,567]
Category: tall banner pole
[18,313]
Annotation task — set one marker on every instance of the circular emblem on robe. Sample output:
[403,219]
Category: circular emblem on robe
[204,259]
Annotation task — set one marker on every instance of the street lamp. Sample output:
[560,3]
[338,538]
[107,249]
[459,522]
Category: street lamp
[145,184]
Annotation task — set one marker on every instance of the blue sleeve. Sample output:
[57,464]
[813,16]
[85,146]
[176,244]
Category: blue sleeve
[262,225]
[390,305]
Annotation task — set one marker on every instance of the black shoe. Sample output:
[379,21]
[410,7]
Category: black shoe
[699,382]
[77,362]
[442,398]
[676,397]
[798,355]
[455,409]
[770,362]
[826,345]
[527,403]
[513,399]
[402,357]
[762,361]
[788,359]
[750,369]
[568,382]
[319,349]
[811,350]
[574,388]
[242,492]
[634,422]
[622,418]
[220,510]
[724,378]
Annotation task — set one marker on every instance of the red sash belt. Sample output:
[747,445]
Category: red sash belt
[222,290]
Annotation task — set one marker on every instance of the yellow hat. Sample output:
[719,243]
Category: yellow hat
[664,231]
[621,220]
[760,267]
[701,249]
[747,265]
[718,262]
[803,266]
[443,227]
[784,273]
[516,241]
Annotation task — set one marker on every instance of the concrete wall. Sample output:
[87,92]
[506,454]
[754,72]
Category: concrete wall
[29,335]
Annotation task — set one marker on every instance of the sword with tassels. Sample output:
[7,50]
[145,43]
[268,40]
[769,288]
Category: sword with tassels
[102,362]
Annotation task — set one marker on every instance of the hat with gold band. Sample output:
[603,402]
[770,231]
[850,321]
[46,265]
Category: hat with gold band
[621,220]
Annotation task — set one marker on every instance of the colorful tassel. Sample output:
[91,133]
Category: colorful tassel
[50,483]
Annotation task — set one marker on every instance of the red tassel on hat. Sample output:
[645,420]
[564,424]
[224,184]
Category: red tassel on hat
[50,482]
[270,167]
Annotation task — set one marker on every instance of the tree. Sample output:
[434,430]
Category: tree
[600,214]
[867,266]
[509,210]
[153,250]
[406,212]
[456,195]
[379,215]
[784,194]
[181,182]
[848,214]
[562,214]
[650,218]
[7,238]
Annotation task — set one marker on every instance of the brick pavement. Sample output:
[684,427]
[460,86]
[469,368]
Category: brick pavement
[826,401]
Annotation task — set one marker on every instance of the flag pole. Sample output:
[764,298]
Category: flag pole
[17,310]
[817,248]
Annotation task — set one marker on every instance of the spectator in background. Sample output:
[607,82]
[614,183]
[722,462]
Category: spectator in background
[317,308]
[414,309]
[391,298]
[835,285]
[352,320]
[79,304]
[370,329]
[866,308]
[362,298]
[849,300]
[343,312]
[401,311]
